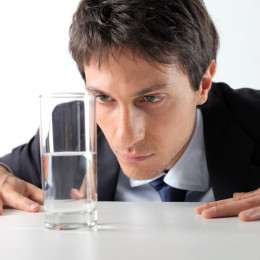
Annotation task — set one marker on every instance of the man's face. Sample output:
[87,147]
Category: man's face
[146,113]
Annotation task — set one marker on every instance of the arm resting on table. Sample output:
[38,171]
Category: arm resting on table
[24,161]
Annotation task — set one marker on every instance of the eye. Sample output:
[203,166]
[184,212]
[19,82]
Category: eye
[153,99]
[103,98]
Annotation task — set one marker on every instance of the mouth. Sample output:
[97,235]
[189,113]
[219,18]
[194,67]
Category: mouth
[131,158]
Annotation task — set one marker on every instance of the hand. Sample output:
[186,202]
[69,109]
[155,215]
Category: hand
[81,193]
[244,205]
[17,193]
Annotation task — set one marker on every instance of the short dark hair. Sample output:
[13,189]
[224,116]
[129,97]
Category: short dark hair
[163,31]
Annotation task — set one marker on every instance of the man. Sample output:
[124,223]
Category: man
[161,120]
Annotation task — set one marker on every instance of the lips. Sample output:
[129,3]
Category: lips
[131,158]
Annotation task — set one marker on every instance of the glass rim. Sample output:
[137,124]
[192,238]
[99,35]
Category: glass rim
[64,95]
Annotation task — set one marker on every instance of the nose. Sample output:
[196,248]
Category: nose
[130,127]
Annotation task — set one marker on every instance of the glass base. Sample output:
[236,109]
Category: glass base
[71,220]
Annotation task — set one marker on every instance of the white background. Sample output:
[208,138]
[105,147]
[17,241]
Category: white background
[34,56]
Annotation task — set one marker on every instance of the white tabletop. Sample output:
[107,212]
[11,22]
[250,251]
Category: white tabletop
[129,230]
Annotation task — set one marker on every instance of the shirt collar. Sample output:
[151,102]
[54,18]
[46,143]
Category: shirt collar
[135,183]
[190,172]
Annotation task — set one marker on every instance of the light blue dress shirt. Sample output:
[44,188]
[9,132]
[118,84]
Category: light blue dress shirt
[189,173]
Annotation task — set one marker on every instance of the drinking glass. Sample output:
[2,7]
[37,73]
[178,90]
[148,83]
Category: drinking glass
[68,160]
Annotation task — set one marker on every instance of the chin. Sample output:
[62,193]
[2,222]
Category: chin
[140,174]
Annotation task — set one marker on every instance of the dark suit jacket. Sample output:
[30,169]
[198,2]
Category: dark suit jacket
[231,121]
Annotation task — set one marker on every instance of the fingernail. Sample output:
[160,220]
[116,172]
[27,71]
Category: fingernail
[209,212]
[239,195]
[200,208]
[33,206]
[249,212]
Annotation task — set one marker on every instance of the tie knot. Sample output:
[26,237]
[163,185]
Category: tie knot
[158,183]
[166,192]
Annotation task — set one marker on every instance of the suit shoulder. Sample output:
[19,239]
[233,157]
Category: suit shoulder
[248,96]
[243,104]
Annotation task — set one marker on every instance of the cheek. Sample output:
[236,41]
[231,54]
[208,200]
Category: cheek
[173,123]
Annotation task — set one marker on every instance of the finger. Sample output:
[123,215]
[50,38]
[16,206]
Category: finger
[1,207]
[81,193]
[17,201]
[232,208]
[208,205]
[34,193]
[76,194]
[250,214]
[246,194]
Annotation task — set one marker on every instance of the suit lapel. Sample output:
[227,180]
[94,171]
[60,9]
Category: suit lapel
[229,149]
[107,171]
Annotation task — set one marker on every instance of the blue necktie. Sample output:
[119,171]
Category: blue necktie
[166,192]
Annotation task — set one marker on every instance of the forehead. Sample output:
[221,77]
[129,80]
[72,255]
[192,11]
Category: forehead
[131,73]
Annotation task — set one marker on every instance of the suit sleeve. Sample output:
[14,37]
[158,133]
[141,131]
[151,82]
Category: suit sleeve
[24,161]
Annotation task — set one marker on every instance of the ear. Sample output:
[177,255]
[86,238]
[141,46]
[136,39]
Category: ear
[205,83]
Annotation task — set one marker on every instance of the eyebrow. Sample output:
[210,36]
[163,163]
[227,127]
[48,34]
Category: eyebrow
[96,90]
[138,93]
[152,89]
